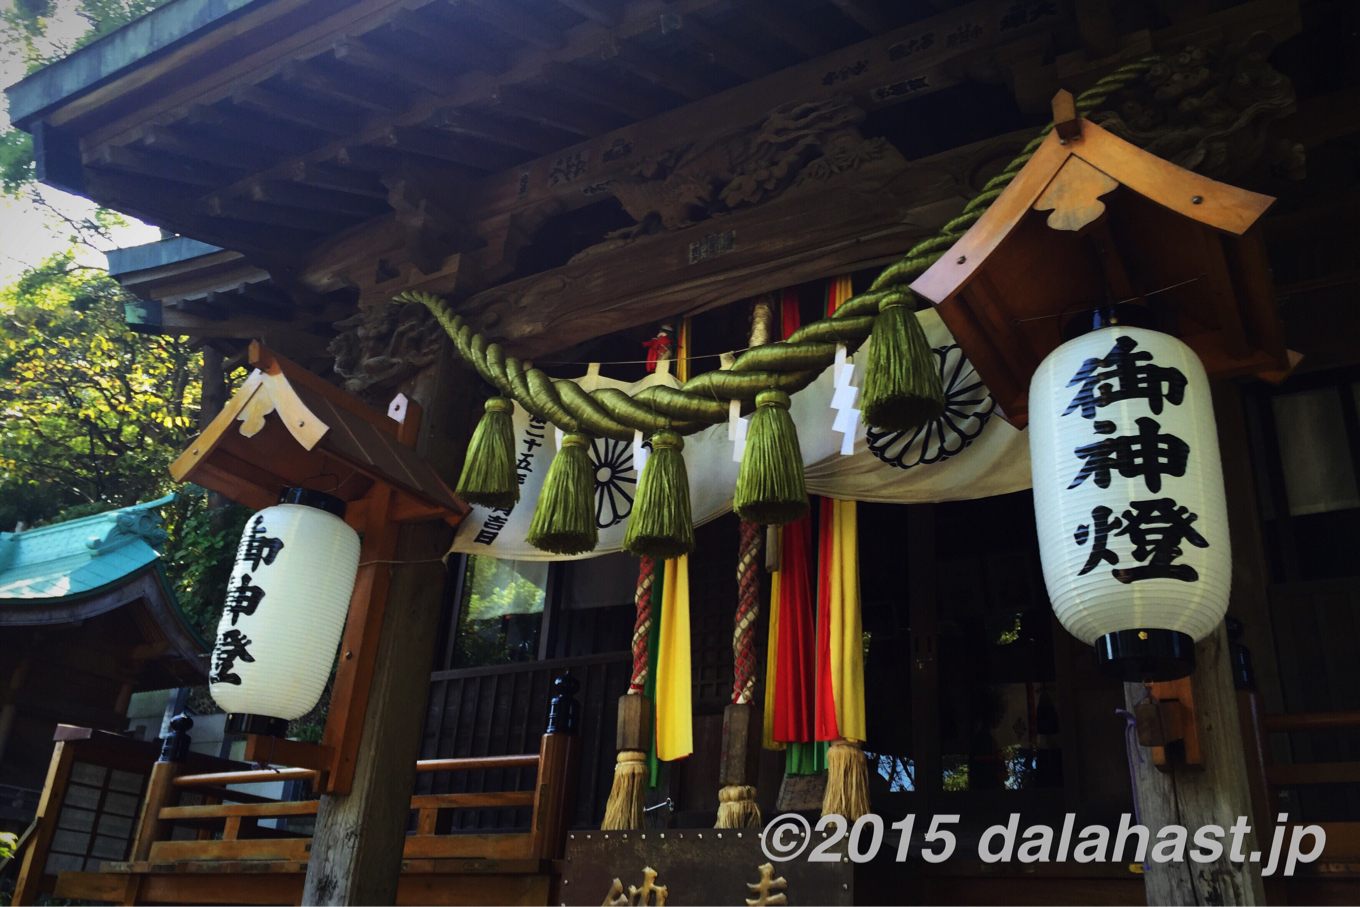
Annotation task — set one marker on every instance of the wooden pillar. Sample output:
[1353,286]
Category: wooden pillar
[214,394]
[357,848]
[1220,791]
[1214,794]
[925,681]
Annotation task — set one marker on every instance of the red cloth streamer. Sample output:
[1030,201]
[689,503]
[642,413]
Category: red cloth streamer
[643,627]
[826,697]
[793,696]
[790,320]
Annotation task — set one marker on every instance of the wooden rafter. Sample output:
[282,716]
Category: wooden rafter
[776,19]
[725,52]
[867,14]
[603,12]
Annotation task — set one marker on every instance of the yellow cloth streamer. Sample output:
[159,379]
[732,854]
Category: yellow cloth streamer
[674,716]
[847,630]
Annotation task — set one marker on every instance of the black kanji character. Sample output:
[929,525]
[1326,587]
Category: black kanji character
[1100,516]
[243,598]
[260,548]
[1149,454]
[1157,529]
[1136,375]
[231,646]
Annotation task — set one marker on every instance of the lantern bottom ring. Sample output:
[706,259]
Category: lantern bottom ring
[264,725]
[1140,655]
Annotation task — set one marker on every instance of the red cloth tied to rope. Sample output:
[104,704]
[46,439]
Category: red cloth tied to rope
[793,697]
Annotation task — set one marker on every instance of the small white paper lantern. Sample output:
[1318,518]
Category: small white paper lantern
[286,606]
[1128,495]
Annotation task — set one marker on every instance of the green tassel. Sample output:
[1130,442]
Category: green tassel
[564,518]
[660,526]
[489,476]
[902,380]
[770,486]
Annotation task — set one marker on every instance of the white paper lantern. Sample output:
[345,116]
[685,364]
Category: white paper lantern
[1128,496]
[286,606]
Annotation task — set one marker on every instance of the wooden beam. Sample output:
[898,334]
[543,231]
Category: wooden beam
[657,71]
[227,120]
[441,147]
[245,209]
[516,101]
[449,40]
[346,87]
[478,124]
[231,154]
[780,21]
[867,14]
[354,52]
[603,12]
[311,198]
[512,22]
[144,163]
[726,53]
[321,176]
[579,85]
[366,157]
[313,115]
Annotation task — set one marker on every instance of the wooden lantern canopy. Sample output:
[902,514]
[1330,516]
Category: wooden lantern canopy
[287,428]
[1093,220]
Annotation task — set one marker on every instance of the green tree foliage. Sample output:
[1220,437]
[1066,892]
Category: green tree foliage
[93,412]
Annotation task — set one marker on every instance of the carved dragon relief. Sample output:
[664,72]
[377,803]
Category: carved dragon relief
[794,144]
[382,346]
[1208,109]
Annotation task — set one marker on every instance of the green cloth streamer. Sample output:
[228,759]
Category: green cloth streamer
[805,758]
[660,526]
[653,648]
[770,488]
[489,476]
[902,380]
[564,517]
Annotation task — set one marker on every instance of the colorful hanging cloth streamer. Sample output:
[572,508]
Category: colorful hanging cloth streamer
[840,636]
[674,724]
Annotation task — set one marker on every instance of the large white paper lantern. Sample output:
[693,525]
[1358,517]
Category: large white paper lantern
[1128,495]
[286,605]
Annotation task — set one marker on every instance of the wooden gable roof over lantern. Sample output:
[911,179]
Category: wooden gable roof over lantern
[1091,220]
[287,427]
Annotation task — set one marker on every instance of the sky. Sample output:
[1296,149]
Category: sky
[29,234]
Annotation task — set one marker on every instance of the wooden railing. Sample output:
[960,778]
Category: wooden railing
[89,805]
[1267,776]
[223,826]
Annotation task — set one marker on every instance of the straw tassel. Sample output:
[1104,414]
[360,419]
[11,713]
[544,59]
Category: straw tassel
[737,807]
[902,380]
[626,798]
[770,488]
[489,476]
[660,526]
[564,518]
[847,780]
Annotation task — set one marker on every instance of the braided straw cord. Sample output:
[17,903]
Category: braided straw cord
[748,609]
[788,365]
[643,627]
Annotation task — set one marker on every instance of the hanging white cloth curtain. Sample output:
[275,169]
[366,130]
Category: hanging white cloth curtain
[969,452]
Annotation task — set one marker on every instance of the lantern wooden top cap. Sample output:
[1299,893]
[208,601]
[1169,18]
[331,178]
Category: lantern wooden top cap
[1090,220]
[286,427]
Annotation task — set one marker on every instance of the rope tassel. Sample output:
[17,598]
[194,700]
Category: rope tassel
[847,781]
[489,477]
[660,526]
[770,488]
[902,380]
[564,518]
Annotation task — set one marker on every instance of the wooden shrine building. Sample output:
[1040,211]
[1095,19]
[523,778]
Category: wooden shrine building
[87,618]
[576,177]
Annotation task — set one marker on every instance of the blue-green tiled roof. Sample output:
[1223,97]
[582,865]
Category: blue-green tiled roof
[80,557]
